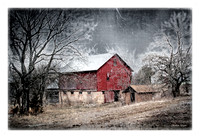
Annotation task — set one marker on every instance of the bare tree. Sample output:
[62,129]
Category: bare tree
[41,37]
[173,64]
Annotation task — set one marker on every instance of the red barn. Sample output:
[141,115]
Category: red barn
[96,79]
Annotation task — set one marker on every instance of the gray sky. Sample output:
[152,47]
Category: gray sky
[131,28]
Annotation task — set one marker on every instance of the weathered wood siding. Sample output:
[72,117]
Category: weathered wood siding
[78,81]
[108,96]
[142,97]
[128,98]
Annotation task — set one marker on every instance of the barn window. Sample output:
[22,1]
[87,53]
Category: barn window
[72,92]
[103,92]
[115,62]
[89,92]
[108,76]
[80,92]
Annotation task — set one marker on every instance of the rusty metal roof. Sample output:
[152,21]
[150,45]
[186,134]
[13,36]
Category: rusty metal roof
[144,88]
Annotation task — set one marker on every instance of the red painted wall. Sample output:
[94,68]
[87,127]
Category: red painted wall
[118,73]
[78,81]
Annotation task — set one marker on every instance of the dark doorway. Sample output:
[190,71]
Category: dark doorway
[116,95]
[132,97]
[52,96]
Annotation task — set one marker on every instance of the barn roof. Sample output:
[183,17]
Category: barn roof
[90,63]
[53,85]
[144,88]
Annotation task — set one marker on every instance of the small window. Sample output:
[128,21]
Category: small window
[72,92]
[89,92]
[103,92]
[115,62]
[80,92]
[108,76]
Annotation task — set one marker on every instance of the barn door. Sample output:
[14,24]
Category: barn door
[116,95]
[132,97]
[108,96]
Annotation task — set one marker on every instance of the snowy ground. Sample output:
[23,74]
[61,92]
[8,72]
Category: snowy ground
[164,114]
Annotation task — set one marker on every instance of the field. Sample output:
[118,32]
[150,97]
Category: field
[164,114]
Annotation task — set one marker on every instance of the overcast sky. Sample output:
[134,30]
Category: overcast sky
[131,28]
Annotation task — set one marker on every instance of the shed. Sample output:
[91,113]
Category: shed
[140,93]
[52,92]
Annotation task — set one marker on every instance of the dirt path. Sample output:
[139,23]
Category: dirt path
[165,114]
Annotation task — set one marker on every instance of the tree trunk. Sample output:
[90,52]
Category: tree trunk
[176,89]
[41,97]
[27,106]
[25,90]
[23,103]
[174,92]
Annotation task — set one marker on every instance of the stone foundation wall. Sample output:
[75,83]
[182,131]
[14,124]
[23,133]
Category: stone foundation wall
[77,98]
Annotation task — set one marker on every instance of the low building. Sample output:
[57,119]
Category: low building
[52,93]
[140,93]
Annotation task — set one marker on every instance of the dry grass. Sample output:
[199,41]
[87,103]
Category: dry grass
[164,114]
